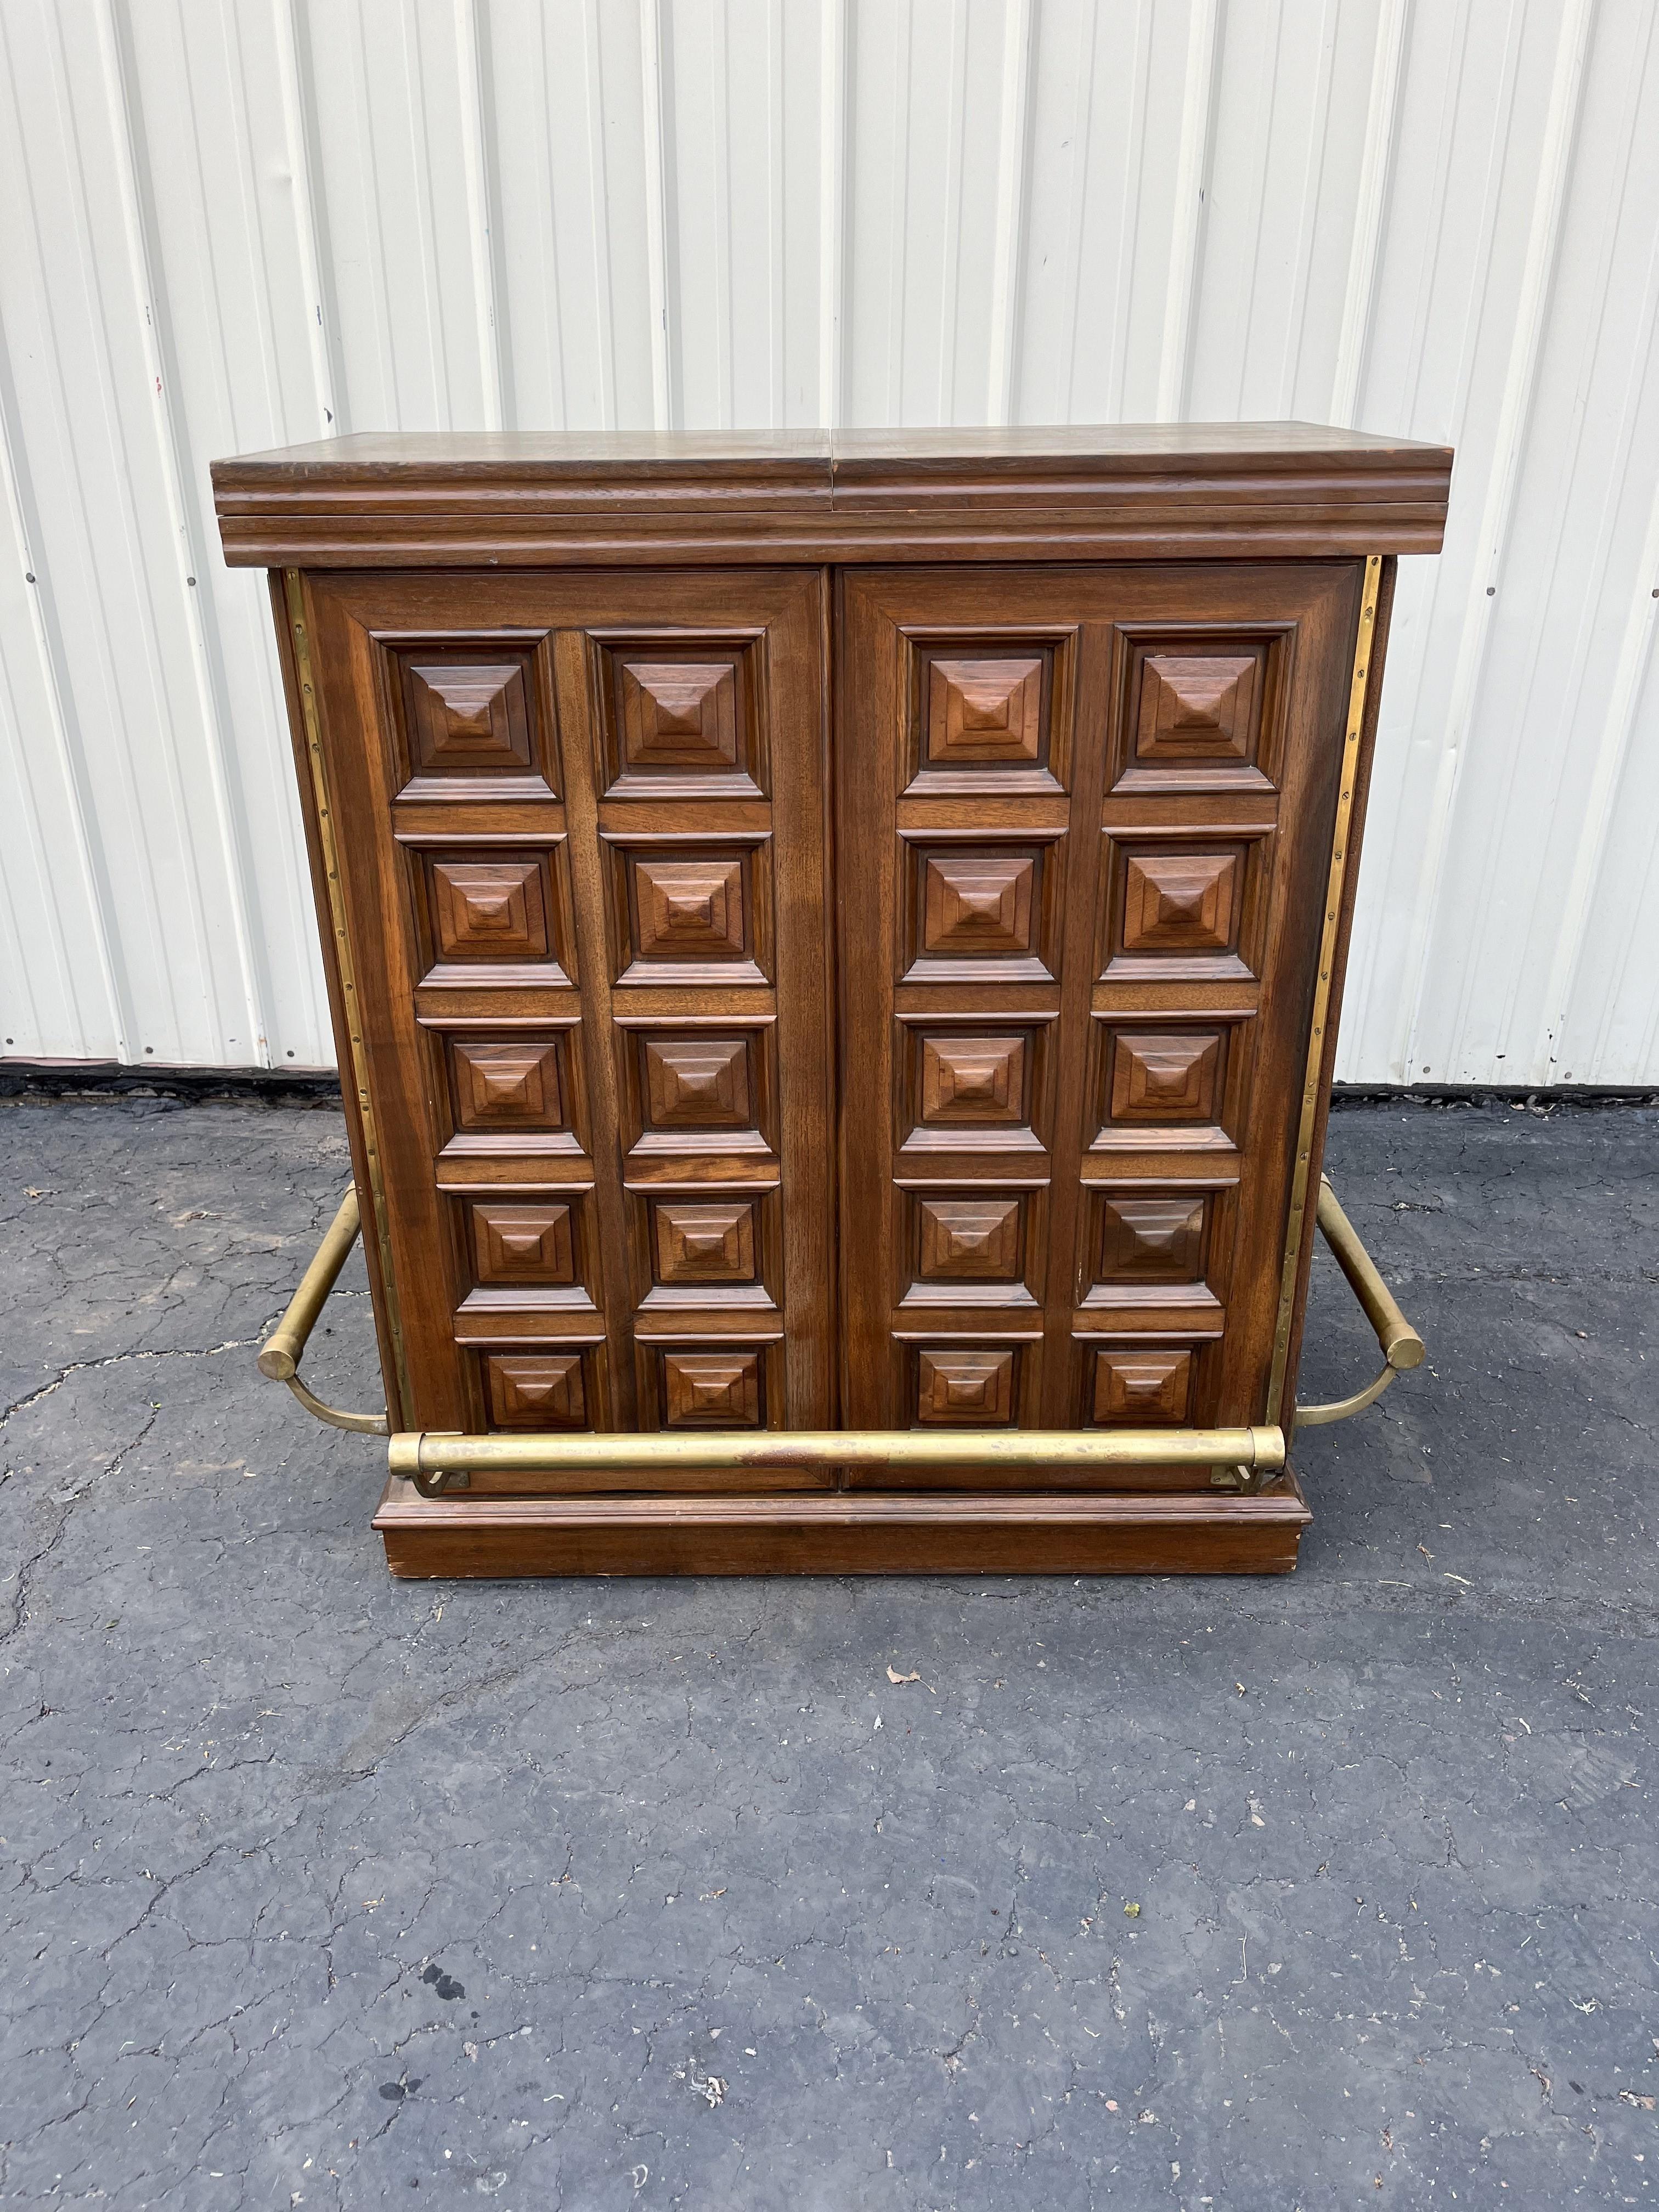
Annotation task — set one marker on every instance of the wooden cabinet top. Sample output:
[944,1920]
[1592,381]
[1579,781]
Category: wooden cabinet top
[1124,491]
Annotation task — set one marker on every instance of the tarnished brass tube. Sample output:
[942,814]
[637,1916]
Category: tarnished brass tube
[426,1453]
[280,1354]
[1402,1347]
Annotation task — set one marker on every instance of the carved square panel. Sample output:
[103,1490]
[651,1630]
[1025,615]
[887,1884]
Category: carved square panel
[689,909]
[989,714]
[967,1386]
[508,1083]
[977,1081]
[1195,705]
[1177,902]
[678,713]
[702,1241]
[697,1082]
[718,1389]
[1165,1084]
[537,1390]
[1162,1078]
[1201,711]
[494,910]
[532,1245]
[1157,1239]
[975,902]
[984,710]
[1183,909]
[1142,1385]
[980,911]
[693,916]
[681,721]
[977,1089]
[471,723]
[693,1094]
[970,1236]
[495,917]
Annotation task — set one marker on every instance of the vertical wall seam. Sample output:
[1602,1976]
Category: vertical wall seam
[1313,183]
[1009,265]
[171,443]
[1370,208]
[1630,672]
[370,198]
[95,886]
[69,736]
[777,226]
[1407,709]
[664,413]
[1631,663]
[298,135]
[832,209]
[1128,235]
[481,225]
[1272,92]
[1204,38]
[950,320]
[1594,571]
[1514,419]
[424,199]
[1076,198]
[898,229]
[719,139]
[604,290]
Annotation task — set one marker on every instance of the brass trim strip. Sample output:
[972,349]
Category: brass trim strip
[1297,1222]
[381,1223]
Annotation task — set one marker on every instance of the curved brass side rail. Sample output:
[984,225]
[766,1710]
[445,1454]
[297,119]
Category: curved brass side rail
[429,1457]
[280,1352]
[1401,1345]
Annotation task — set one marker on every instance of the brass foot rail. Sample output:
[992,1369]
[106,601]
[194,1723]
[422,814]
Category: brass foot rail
[280,1354]
[429,1457]
[1241,1457]
[1401,1345]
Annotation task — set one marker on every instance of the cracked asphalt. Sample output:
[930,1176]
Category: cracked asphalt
[321,1889]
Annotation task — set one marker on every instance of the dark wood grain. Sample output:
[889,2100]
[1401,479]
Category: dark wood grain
[529,969]
[1163,1063]
[376,1259]
[1128,491]
[867,985]
[845,1534]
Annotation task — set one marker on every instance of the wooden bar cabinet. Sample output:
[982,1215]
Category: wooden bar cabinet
[836,943]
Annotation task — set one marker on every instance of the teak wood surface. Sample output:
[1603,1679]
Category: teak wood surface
[832,924]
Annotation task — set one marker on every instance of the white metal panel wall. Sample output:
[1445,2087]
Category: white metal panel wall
[229,224]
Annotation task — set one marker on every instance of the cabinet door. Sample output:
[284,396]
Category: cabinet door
[1085,821]
[581,821]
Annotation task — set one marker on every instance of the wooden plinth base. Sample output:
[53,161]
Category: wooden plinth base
[846,1533]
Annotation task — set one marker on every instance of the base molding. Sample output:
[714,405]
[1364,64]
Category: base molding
[845,1533]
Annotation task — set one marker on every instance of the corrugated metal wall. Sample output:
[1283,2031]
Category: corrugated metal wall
[232,223]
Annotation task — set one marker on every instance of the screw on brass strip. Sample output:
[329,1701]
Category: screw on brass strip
[382,1223]
[1299,1179]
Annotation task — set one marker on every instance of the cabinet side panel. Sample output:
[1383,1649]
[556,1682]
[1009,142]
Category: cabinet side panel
[1344,932]
[375,1255]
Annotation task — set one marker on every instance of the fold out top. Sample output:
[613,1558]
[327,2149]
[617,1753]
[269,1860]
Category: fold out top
[1131,491]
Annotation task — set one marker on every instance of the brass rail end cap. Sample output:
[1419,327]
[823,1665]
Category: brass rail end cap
[276,1363]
